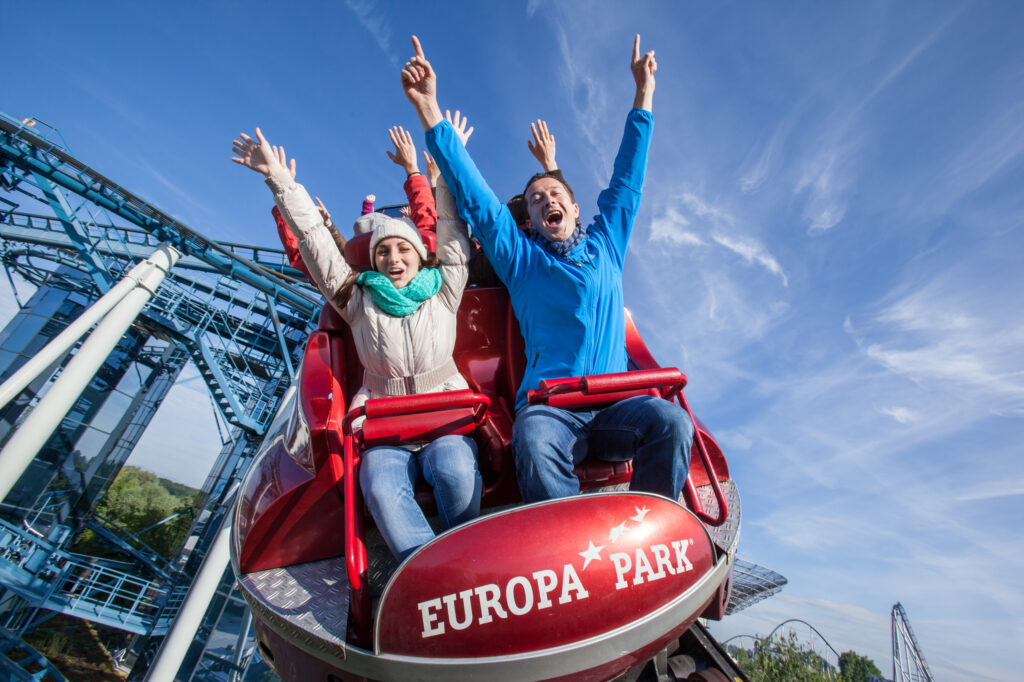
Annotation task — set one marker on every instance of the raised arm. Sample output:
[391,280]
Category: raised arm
[417,189]
[476,202]
[420,84]
[453,247]
[542,146]
[619,203]
[643,69]
[452,232]
[290,243]
[323,259]
[284,233]
[433,172]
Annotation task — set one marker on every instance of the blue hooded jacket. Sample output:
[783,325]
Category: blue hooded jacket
[570,309]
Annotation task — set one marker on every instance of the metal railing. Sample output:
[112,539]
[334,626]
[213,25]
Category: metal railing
[85,587]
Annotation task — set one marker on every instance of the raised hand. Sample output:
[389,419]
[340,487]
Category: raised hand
[324,213]
[256,154]
[405,150]
[282,158]
[420,85]
[433,172]
[643,69]
[542,146]
[459,123]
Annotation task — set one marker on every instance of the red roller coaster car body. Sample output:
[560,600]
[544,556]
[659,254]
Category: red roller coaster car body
[583,588]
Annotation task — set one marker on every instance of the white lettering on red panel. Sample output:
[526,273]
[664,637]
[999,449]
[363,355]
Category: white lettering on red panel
[521,595]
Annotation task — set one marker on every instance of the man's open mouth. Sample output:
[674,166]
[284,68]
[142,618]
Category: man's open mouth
[554,218]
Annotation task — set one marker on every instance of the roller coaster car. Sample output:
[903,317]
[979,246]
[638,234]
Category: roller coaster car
[583,588]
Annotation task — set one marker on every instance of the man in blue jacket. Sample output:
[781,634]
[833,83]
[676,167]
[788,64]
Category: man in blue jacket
[565,284]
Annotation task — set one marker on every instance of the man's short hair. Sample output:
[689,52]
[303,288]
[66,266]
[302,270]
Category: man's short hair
[557,175]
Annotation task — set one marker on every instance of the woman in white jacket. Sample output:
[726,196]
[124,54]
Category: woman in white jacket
[402,315]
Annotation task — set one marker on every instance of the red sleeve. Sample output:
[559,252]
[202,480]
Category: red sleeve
[290,244]
[422,210]
[367,207]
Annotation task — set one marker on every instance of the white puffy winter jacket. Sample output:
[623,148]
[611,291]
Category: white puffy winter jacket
[396,348]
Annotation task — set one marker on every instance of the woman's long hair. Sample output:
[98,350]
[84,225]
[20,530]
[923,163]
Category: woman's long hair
[344,294]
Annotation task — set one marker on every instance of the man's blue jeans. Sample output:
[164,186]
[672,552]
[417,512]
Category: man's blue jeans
[549,442]
[388,475]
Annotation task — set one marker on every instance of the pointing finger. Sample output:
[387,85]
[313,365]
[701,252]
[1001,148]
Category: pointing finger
[636,48]
[417,47]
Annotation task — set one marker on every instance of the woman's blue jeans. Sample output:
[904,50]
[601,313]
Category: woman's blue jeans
[387,476]
[549,442]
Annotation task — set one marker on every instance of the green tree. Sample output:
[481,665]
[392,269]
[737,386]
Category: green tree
[785,659]
[857,668]
[136,500]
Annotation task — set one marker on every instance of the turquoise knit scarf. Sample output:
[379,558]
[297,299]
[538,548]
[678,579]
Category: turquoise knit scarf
[404,301]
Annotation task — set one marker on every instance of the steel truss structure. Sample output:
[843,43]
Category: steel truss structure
[908,664]
[239,313]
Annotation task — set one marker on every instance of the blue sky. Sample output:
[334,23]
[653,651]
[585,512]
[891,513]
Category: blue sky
[828,245]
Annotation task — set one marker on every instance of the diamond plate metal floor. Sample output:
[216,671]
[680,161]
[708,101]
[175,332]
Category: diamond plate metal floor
[724,536]
[313,597]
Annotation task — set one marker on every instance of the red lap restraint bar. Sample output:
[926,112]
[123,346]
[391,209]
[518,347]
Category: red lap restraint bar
[593,392]
[393,421]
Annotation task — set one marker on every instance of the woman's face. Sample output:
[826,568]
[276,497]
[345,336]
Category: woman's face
[397,259]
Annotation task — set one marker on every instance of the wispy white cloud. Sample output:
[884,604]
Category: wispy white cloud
[831,169]
[584,78]
[376,23]
[182,194]
[900,414]
[952,336]
[588,100]
[997,142]
[825,179]
[682,222]
[757,170]
[904,61]
[993,490]
[704,209]
[671,226]
[752,252]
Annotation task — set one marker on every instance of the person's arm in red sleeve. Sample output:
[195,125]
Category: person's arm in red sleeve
[422,210]
[290,244]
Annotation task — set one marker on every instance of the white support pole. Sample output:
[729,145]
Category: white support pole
[183,631]
[33,433]
[17,382]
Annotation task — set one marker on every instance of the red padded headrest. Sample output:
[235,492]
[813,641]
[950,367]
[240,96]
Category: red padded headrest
[357,249]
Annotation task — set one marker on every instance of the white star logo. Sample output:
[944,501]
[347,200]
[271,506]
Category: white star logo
[640,514]
[615,532]
[591,554]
